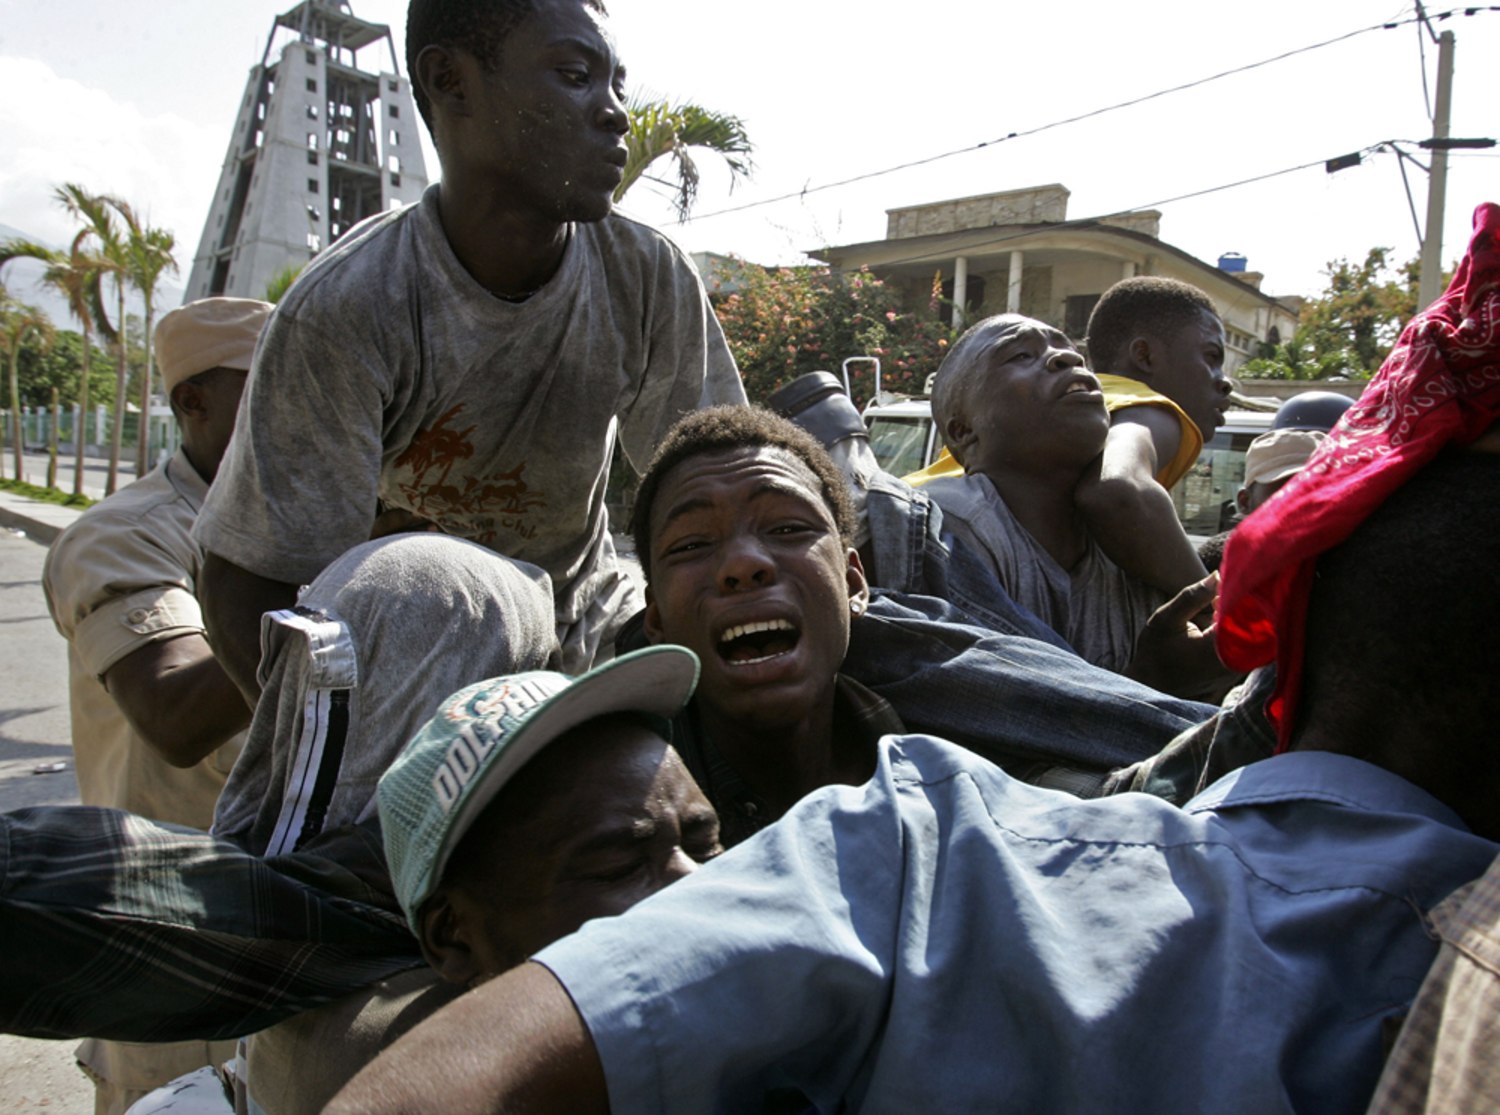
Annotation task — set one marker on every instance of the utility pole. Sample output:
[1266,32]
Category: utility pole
[1437,182]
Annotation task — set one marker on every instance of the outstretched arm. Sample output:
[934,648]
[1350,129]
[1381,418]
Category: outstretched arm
[1128,513]
[514,1045]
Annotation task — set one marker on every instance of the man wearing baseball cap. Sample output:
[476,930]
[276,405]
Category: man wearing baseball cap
[156,721]
[1274,458]
[528,805]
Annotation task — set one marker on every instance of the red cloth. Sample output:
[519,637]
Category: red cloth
[1439,386]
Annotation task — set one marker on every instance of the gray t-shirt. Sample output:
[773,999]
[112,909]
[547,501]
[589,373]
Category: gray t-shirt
[1096,606]
[389,371]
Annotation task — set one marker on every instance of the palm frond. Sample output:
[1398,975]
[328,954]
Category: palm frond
[659,128]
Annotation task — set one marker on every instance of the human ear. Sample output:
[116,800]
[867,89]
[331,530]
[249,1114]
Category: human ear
[440,74]
[859,584]
[443,936]
[188,398]
[652,619]
[959,436]
[1139,353]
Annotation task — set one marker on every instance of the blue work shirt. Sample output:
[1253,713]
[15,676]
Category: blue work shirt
[945,938]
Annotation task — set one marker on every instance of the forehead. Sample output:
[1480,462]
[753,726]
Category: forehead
[1204,325]
[557,21]
[583,770]
[1011,327]
[732,475]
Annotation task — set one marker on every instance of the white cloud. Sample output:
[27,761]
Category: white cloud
[54,129]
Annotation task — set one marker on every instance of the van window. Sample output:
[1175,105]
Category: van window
[900,444]
[1205,496]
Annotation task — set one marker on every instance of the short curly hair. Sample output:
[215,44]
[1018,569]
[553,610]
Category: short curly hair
[1145,304]
[478,26]
[735,427]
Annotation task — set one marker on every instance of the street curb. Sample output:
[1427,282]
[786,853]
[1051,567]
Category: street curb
[41,522]
[45,533]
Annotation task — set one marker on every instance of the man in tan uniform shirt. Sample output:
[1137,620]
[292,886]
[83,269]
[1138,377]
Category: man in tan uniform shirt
[156,722]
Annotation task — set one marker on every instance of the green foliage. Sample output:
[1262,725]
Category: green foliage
[43,368]
[1349,328]
[282,281]
[46,495]
[783,322]
[659,129]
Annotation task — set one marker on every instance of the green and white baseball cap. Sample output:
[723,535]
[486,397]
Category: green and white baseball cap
[485,733]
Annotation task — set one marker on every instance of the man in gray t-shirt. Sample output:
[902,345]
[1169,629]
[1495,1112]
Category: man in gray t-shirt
[1017,408]
[472,359]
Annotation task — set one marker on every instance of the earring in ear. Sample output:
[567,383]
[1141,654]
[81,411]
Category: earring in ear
[857,607]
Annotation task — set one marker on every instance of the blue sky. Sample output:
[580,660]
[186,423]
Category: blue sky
[137,98]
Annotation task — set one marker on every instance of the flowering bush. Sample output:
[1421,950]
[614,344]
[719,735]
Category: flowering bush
[783,322]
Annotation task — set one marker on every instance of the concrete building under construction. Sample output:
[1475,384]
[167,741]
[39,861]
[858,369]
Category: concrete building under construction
[320,143]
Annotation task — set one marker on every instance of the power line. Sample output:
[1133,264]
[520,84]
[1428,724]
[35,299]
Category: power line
[808,190]
[1077,222]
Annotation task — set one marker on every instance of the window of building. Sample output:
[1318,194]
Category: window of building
[312,158]
[1076,314]
[396,180]
[393,164]
[312,185]
[394,139]
[393,86]
[312,85]
[312,141]
[312,112]
[396,111]
[314,243]
[312,57]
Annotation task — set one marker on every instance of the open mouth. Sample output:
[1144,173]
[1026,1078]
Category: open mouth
[746,644]
[1081,385]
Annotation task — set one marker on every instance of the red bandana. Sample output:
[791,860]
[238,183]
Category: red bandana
[1439,386]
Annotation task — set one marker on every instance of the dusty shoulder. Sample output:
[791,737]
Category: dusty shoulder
[627,242]
[340,280]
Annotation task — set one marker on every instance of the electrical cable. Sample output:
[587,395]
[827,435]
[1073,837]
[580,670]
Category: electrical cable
[935,254]
[1024,133]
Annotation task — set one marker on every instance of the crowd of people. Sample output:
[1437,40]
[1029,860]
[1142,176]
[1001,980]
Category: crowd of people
[973,790]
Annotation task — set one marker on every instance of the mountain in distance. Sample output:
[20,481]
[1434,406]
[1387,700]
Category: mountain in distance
[22,279]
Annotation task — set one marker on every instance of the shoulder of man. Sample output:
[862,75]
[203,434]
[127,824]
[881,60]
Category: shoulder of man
[363,251]
[623,240]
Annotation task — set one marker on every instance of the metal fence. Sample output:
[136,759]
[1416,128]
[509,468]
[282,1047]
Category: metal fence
[36,431]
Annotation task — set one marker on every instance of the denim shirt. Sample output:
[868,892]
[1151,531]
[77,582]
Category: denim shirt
[946,938]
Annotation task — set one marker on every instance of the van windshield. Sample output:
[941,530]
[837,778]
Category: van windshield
[899,444]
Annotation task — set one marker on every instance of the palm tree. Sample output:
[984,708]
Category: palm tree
[78,275]
[148,258]
[659,128]
[95,211]
[19,321]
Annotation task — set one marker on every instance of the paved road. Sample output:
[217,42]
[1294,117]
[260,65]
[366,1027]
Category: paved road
[35,1076]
